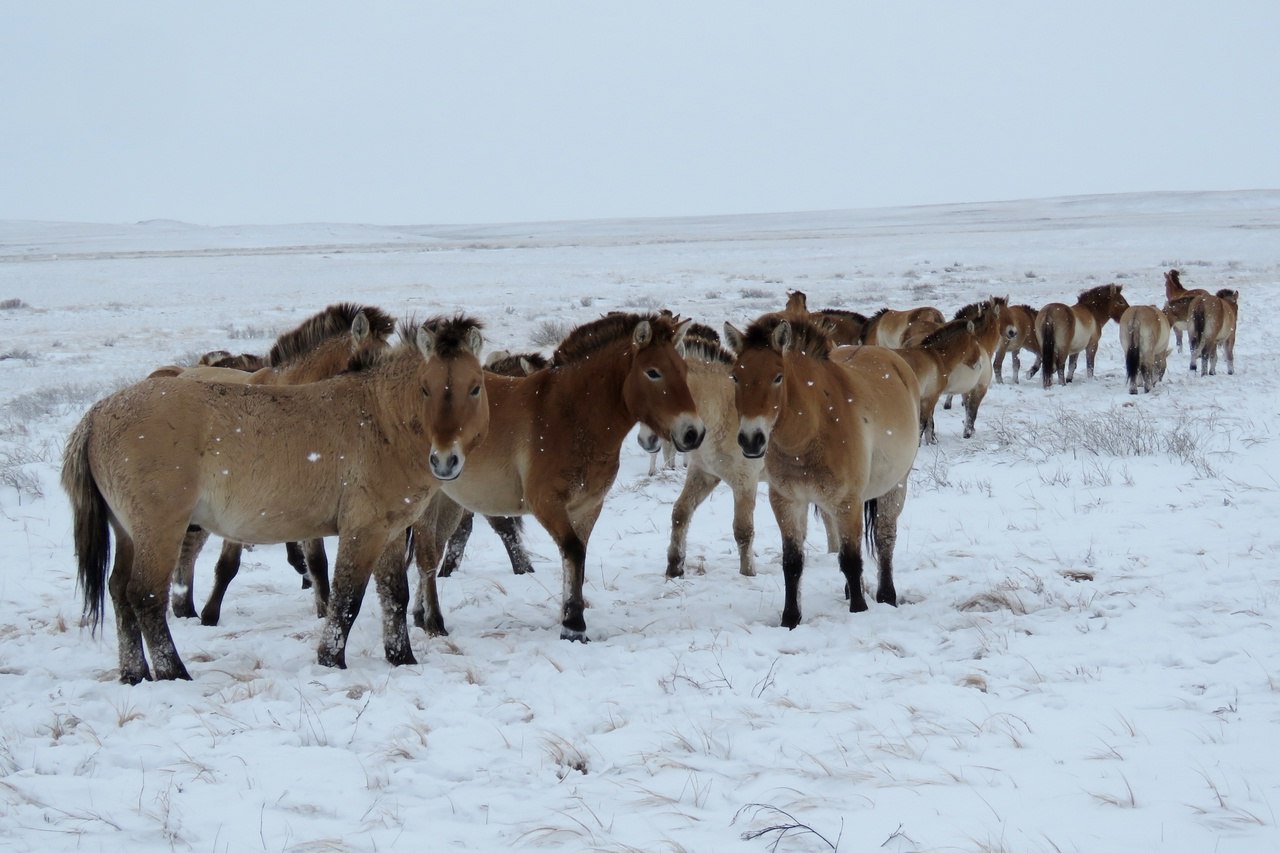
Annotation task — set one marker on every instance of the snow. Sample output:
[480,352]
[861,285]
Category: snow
[1084,658]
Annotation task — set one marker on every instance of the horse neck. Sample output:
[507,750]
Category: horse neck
[594,387]
[1099,311]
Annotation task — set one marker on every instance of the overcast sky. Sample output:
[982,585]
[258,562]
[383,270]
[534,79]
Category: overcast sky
[463,112]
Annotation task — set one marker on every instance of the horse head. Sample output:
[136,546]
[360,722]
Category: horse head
[656,388]
[455,406]
[758,388]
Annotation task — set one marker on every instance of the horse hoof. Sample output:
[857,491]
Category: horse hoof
[401,657]
[574,636]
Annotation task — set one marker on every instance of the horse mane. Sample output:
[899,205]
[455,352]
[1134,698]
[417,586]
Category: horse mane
[970,311]
[451,336]
[1097,294]
[878,314]
[947,332]
[245,361]
[702,343]
[595,335]
[512,364]
[844,312]
[1174,277]
[330,323]
[1228,294]
[808,337]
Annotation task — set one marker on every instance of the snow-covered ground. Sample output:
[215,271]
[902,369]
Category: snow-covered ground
[1085,658]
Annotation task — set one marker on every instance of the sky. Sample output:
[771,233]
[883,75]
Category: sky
[415,113]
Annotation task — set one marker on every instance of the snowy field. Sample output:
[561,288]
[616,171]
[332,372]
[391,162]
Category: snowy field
[1085,659]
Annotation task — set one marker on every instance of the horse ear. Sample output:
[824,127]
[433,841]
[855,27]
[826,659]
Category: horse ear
[643,334]
[681,330]
[782,337]
[527,366]
[426,341]
[733,338]
[359,328]
[475,341]
[496,356]
[797,302]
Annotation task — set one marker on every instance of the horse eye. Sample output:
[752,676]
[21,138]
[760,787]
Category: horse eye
[777,380]
[426,392]
[734,377]
[475,392]
[653,374]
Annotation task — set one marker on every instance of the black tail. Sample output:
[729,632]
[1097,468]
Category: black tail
[1131,361]
[91,530]
[1048,353]
[1196,332]
[871,512]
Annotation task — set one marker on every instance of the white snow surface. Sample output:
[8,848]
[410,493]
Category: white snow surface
[1085,657]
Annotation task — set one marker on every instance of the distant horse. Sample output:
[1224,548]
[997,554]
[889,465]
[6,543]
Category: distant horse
[997,334]
[322,346]
[955,359]
[844,327]
[1178,301]
[343,456]
[1144,338]
[890,328]
[1213,325]
[1064,330]
[554,443]
[837,427]
[509,530]
[1023,338]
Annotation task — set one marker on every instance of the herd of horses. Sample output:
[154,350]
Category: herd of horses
[391,436]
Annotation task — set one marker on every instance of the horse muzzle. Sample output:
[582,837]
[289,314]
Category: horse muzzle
[688,434]
[447,466]
[753,443]
[649,441]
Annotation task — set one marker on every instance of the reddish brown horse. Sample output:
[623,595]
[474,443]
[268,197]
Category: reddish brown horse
[343,456]
[956,359]
[554,442]
[837,428]
[1064,330]
[1178,301]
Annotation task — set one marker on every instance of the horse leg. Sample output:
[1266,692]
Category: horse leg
[946,403]
[744,524]
[227,567]
[294,554]
[972,401]
[508,530]
[997,364]
[792,518]
[436,524]
[1031,371]
[391,576]
[182,586]
[318,567]
[457,544]
[357,552]
[1090,356]
[148,596]
[882,515]
[698,484]
[133,660]
[1229,351]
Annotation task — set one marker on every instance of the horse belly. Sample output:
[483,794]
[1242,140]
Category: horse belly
[1082,334]
[965,377]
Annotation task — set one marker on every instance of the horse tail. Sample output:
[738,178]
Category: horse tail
[90,527]
[1132,359]
[871,512]
[1048,351]
[1196,333]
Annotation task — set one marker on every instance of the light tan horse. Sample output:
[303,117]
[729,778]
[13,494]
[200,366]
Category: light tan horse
[891,328]
[554,443]
[357,456]
[1213,326]
[1144,339]
[1063,331]
[509,529]
[1178,299]
[322,346]
[956,359]
[837,428]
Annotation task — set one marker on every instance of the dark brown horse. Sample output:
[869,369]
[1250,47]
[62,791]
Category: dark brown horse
[554,442]
[358,456]
[1064,330]
[837,428]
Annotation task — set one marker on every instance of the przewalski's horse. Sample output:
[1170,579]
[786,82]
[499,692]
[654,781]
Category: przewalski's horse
[718,459]
[954,359]
[890,328]
[358,456]
[1213,325]
[844,327]
[323,345]
[509,529]
[1178,299]
[1144,339]
[554,442]
[1064,330]
[1023,318]
[837,428]
[1002,329]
